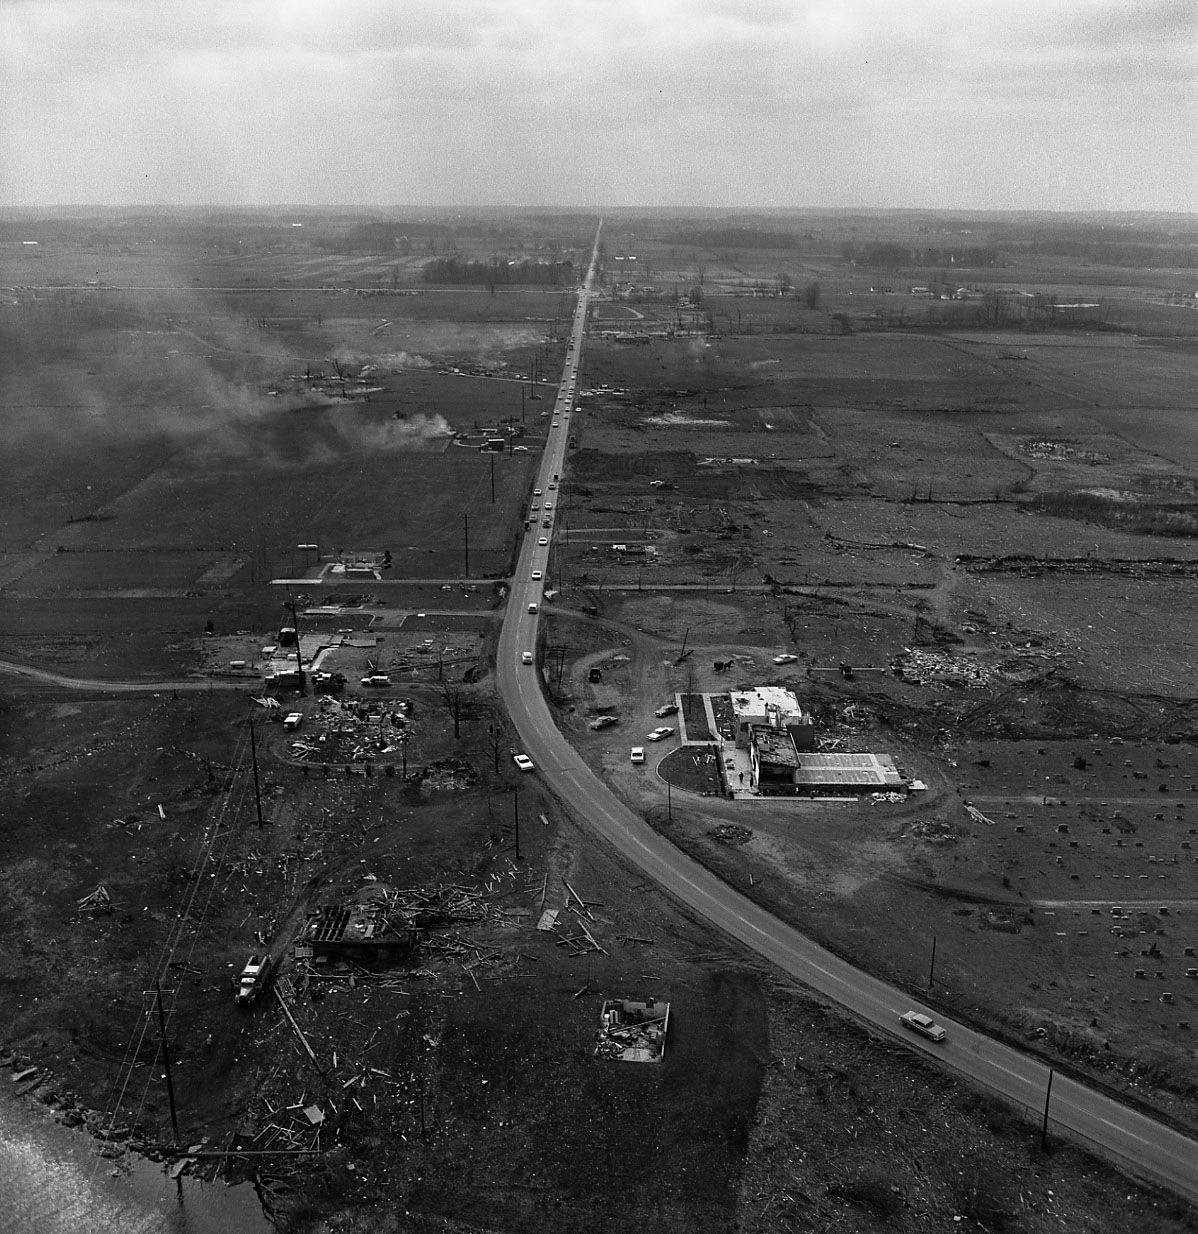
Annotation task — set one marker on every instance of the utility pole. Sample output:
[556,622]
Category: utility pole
[299,659]
[1044,1125]
[254,758]
[516,816]
[932,969]
[669,800]
[166,1058]
[492,477]
[466,538]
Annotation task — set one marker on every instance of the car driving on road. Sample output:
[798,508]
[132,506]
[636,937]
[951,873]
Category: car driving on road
[526,657]
[922,1024]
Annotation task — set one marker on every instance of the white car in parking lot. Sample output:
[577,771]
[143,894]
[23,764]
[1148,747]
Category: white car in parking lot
[660,734]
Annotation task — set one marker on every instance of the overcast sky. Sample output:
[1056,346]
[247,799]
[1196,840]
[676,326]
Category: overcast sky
[974,104]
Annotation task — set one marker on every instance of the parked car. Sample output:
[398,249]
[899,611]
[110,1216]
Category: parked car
[660,734]
[638,754]
[523,762]
[669,709]
[600,722]
[376,679]
[543,541]
[922,1024]
[785,659]
[536,574]
[526,658]
[532,608]
[536,492]
[548,522]
[595,674]
[293,719]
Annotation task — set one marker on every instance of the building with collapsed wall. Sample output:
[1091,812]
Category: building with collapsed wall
[361,930]
[633,1032]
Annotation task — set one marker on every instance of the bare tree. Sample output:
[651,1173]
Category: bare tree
[496,736]
[457,704]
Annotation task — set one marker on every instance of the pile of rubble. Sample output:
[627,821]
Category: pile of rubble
[941,668]
[730,833]
[354,731]
[632,1032]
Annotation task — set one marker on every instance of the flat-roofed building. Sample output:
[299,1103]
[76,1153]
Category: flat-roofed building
[771,707]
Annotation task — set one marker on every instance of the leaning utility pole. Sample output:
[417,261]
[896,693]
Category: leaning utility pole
[466,541]
[254,759]
[166,1058]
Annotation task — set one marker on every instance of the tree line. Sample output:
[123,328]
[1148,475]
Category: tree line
[497,272]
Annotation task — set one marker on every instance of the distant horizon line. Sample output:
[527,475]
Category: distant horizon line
[588,211]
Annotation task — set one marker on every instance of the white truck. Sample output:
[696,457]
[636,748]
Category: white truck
[253,979]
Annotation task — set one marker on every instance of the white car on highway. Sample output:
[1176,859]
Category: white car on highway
[922,1024]
[535,574]
[526,657]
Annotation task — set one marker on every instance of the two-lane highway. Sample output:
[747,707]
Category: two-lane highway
[1140,1143]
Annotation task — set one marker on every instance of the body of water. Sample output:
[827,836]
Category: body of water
[52,1181]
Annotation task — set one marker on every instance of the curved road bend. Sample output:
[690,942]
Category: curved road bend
[1139,1143]
[97,685]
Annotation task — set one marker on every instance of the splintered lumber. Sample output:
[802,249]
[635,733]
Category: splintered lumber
[548,919]
[299,1032]
[591,937]
[581,902]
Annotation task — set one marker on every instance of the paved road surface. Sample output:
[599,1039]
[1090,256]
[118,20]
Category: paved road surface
[190,686]
[1141,1144]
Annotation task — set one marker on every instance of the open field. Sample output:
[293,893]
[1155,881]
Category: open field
[994,526]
